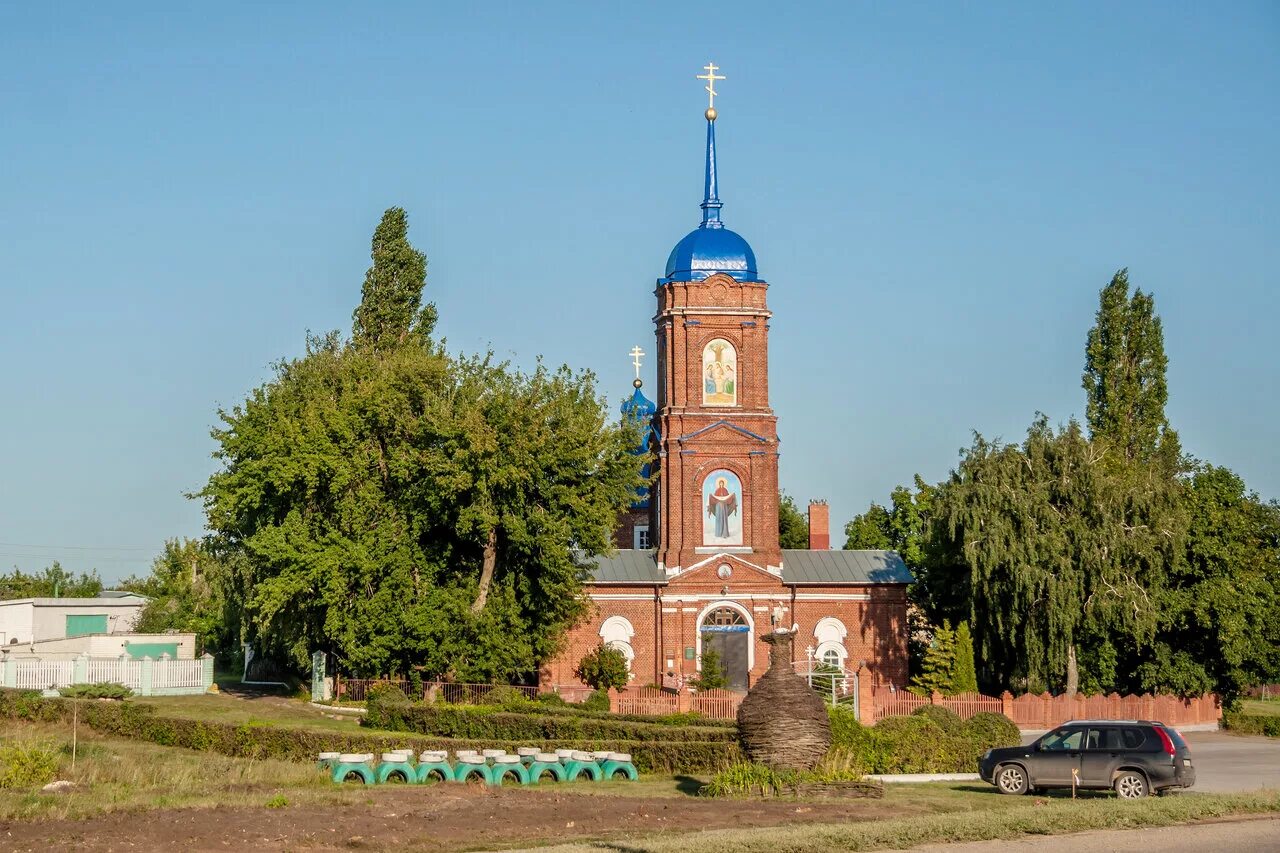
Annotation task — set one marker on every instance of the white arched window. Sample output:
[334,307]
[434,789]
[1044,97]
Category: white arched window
[616,632]
[830,634]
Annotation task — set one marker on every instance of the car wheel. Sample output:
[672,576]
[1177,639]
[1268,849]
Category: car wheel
[1011,779]
[1131,786]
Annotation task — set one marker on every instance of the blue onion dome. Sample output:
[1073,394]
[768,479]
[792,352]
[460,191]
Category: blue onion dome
[707,251]
[638,405]
[711,248]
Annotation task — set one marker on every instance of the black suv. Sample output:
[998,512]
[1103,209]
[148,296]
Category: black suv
[1135,757]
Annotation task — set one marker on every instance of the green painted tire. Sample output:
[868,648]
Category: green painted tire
[343,773]
[463,772]
[611,770]
[538,768]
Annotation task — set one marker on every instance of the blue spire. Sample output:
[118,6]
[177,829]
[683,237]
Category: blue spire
[711,201]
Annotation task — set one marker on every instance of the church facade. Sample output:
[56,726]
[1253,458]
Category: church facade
[698,564]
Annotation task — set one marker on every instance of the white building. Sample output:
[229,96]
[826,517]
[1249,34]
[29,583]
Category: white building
[29,620]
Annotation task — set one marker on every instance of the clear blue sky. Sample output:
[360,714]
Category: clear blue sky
[935,191]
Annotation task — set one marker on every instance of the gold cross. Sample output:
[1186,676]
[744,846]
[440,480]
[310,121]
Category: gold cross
[711,77]
[636,353]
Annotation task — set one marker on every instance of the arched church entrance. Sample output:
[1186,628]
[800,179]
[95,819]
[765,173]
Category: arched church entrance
[725,631]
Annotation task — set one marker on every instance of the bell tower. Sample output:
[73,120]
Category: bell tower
[717,498]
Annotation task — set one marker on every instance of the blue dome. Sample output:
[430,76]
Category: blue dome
[706,251]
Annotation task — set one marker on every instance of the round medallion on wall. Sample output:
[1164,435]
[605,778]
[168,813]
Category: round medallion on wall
[725,572]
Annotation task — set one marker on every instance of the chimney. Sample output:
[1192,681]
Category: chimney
[819,526]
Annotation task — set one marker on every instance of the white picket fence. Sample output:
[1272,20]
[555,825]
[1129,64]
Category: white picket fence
[145,676]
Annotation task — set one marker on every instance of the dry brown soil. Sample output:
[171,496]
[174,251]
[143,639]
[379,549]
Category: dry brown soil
[431,818]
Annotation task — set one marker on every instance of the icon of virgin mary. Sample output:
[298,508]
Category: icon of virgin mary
[721,504]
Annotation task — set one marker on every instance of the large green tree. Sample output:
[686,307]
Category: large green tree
[793,527]
[52,581]
[190,589]
[1220,630]
[1124,376]
[402,507]
[1060,550]
[391,309]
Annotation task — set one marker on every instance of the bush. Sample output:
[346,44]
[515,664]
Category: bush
[604,668]
[746,779]
[988,730]
[1252,724]
[553,700]
[385,693]
[846,732]
[948,720]
[496,723]
[101,690]
[504,695]
[914,745]
[597,701]
[140,722]
[25,764]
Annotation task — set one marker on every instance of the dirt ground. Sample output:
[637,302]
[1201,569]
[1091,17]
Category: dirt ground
[434,818]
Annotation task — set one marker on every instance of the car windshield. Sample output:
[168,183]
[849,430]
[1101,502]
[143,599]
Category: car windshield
[1062,739]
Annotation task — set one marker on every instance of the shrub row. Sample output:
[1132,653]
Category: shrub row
[502,723]
[256,740]
[1252,724]
[933,740]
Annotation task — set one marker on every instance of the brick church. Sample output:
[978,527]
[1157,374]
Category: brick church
[698,563]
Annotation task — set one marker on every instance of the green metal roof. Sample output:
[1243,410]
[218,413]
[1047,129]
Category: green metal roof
[819,567]
[798,567]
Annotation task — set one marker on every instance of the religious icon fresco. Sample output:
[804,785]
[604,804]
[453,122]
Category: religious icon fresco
[722,500]
[719,374]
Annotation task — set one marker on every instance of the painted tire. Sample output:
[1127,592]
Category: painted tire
[500,772]
[538,768]
[612,769]
[433,771]
[463,772]
[575,769]
[402,771]
[344,772]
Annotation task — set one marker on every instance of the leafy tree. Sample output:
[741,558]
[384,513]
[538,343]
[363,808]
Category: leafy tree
[870,531]
[1124,375]
[793,527]
[604,668]
[390,306]
[964,674]
[1220,630]
[939,662]
[53,582]
[399,507]
[1062,548]
[188,591]
[712,675]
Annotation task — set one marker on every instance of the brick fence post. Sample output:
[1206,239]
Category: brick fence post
[615,700]
[935,698]
[866,700]
[684,702]
[1006,704]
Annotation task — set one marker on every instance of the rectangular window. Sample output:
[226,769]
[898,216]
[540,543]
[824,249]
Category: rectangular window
[640,536]
[80,625]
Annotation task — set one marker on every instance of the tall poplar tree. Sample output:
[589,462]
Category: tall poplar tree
[390,309]
[1124,376]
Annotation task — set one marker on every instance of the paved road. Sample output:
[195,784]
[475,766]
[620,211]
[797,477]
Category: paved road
[1247,836]
[1226,763]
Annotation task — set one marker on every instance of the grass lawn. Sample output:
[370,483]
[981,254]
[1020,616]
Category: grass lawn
[112,774]
[228,708]
[1265,707]
[1019,819]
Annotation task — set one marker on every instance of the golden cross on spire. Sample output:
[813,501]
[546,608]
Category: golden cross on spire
[711,77]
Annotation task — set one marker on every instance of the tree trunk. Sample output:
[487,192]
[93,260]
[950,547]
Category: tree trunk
[486,570]
[1073,671]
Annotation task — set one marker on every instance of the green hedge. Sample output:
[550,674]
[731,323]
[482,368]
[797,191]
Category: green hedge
[917,744]
[141,722]
[1252,724]
[484,723]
